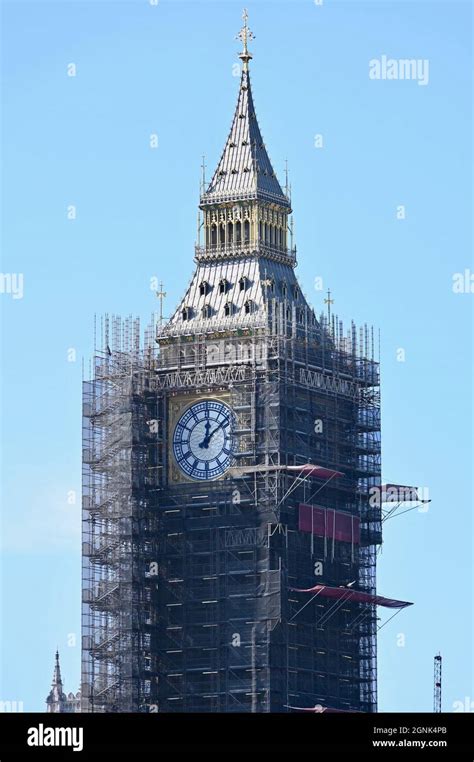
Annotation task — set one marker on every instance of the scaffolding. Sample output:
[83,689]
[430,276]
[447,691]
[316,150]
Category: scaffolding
[187,587]
[120,476]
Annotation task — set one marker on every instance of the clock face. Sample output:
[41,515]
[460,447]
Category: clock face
[202,440]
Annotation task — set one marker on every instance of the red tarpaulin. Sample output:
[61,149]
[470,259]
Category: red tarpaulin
[326,522]
[353,596]
[319,472]
[318,709]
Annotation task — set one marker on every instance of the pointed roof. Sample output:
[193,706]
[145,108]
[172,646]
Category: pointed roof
[244,170]
[255,288]
[56,696]
[57,680]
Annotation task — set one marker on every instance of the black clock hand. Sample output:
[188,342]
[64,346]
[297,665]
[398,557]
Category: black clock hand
[205,441]
[226,420]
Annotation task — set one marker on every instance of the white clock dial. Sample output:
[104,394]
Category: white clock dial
[202,440]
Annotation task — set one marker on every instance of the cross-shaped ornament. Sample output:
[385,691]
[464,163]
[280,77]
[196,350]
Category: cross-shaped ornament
[161,296]
[245,35]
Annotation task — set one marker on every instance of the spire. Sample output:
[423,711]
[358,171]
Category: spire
[245,270]
[57,681]
[56,699]
[244,170]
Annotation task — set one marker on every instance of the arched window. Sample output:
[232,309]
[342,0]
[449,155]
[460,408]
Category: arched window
[204,288]
[238,232]
[228,309]
[246,231]
[186,313]
[284,289]
[206,311]
[222,235]
[223,286]
[213,235]
[230,232]
[248,307]
[242,283]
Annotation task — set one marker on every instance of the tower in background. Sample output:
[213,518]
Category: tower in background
[57,700]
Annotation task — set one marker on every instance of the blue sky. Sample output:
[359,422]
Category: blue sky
[84,141]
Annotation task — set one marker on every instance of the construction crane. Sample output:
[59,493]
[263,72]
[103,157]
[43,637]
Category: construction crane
[437,683]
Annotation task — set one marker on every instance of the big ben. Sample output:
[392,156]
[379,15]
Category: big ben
[229,540]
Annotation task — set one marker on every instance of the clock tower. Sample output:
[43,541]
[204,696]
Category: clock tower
[230,543]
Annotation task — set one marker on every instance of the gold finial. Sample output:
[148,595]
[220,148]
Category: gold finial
[245,35]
